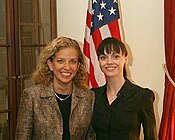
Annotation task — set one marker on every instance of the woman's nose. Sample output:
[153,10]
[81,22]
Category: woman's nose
[110,60]
[67,66]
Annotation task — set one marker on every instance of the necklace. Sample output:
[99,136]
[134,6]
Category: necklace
[116,96]
[113,97]
[62,99]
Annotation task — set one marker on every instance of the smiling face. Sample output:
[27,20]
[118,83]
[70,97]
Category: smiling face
[64,66]
[112,55]
[112,64]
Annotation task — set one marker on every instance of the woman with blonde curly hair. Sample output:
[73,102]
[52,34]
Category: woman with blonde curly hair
[59,106]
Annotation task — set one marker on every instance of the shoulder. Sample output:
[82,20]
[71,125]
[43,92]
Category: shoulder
[36,90]
[142,92]
[84,92]
[34,87]
[99,89]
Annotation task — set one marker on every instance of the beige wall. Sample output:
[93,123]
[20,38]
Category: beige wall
[142,31]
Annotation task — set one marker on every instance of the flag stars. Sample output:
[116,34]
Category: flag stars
[102,12]
[115,1]
[94,1]
[112,11]
[100,17]
[92,12]
[102,4]
[91,24]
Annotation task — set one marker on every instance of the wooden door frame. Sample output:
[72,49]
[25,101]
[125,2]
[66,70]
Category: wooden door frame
[12,27]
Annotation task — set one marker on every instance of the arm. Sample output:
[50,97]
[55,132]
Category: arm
[147,115]
[91,134]
[25,118]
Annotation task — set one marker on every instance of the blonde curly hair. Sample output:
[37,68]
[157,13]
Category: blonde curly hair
[43,75]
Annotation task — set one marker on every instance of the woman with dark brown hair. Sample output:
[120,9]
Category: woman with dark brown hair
[121,107]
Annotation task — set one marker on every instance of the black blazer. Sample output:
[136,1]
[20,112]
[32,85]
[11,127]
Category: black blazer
[123,118]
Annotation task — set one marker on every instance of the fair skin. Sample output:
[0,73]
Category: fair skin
[64,66]
[112,66]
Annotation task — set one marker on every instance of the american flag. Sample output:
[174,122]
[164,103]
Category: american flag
[101,22]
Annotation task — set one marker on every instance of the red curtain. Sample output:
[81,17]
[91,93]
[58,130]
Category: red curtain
[167,126]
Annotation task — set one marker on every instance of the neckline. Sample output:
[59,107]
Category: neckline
[62,99]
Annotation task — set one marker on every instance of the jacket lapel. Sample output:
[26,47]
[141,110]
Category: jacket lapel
[48,95]
[76,96]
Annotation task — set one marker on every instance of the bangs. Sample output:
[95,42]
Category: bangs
[112,48]
[110,45]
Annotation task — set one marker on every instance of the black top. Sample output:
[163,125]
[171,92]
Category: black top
[65,107]
[123,118]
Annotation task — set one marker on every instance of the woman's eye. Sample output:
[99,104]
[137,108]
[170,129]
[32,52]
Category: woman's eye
[73,61]
[116,56]
[60,61]
[102,57]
